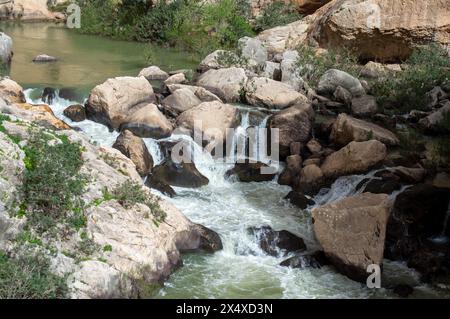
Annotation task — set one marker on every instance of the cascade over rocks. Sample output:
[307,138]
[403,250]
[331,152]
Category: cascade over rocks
[276,243]
[306,260]
[141,253]
[135,149]
[352,232]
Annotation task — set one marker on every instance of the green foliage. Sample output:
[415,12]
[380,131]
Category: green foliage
[190,24]
[427,67]
[311,65]
[131,193]
[275,14]
[52,182]
[28,277]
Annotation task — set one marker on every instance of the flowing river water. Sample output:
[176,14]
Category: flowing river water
[241,269]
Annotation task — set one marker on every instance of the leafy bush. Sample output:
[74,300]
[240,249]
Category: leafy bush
[28,277]
[190,24]
[427,67]
[52,182]
[131,193]
[275,14]
[311,66]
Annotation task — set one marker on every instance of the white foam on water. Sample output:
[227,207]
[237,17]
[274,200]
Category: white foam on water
[241,269]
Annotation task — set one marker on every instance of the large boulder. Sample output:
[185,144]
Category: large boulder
[135,149]
[252,49]
[290,71]
[347,129]
[272,94]
[225,83]
[147,121]
[352,232]
[183,174]
[365,105]
[356,157]
[112,102]
[181,100]
[311,179]
[332,79]
[11,92]
[217,60]
[309,6]
[382,29]
[214,119]
[282,38]
[6,44]
[294,124]
[140,253]
[277,243]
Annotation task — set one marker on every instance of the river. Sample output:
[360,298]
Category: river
[241,269]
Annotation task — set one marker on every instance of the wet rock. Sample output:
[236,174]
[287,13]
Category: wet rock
[352,232]
[164,188]
[379,186]
[347,129]
[356,157]
[299,200]
[252,172]
[271,94]
[44,58]
[306,260]
[182,174]
[402,174]
[311,179]
[48,95]
[225,83]
[292,170]
[277,243]
[201,239]
[135,149]
[76,113]
[295,125]
[333,78]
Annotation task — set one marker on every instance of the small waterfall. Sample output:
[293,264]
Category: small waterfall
[443,238]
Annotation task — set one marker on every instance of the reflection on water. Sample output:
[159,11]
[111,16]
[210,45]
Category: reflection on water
[84,61]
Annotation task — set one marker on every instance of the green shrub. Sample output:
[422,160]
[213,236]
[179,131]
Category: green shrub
[131,193]
[311,66]
[427,67]
[28,277]
[52,184]
[275,14]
